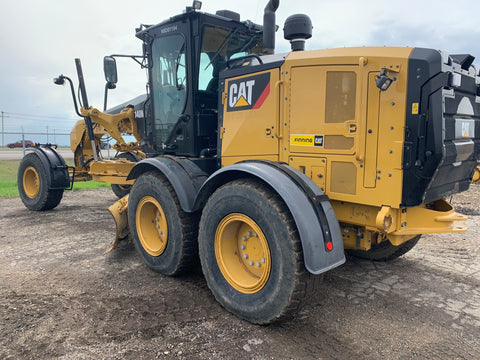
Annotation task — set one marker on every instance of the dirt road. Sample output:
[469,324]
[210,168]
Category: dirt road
[61,298]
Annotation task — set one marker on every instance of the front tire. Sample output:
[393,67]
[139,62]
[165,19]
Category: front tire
[163,234]
[33,185]
[251,253]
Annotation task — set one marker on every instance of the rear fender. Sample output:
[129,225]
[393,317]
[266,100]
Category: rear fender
[314,217]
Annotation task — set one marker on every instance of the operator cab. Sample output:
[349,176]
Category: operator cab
[185,55]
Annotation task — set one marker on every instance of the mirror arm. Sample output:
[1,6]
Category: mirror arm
[108,85]
[133,57]
[105,97]
[60,81]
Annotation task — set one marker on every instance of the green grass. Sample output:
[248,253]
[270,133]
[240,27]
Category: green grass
[85,185]
[8,180]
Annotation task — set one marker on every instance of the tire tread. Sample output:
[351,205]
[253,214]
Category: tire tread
[189,228]
[306,286]
[47,199]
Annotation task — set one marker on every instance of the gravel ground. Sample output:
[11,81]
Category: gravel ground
[61,298]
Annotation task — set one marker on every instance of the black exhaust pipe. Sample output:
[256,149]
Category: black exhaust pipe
[269,27]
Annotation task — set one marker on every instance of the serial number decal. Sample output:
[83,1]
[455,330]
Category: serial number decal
[414,108]
[169,29]
[306,140]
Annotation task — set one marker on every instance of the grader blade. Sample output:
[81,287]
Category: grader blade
[476,175]
[119,213]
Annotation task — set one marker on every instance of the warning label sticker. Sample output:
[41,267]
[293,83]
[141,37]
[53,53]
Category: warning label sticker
[414,108]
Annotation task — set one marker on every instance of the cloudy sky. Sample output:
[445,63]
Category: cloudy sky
[40,39]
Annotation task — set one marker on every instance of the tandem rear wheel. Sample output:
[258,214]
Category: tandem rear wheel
[34,187]
[251,253]
[163,234]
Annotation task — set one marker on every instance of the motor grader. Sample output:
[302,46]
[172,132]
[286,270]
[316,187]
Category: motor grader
[268,167]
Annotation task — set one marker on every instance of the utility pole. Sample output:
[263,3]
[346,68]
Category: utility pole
[3,132]
[23,142]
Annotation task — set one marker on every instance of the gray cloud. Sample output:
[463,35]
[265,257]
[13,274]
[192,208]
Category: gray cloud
[39,40]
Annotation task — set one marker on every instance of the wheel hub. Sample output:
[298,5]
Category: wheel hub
[151,226]
[31,182]
[242,253]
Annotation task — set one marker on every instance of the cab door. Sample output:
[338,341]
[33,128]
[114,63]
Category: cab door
[169,86]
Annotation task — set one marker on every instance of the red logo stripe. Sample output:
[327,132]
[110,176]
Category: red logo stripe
[262,97]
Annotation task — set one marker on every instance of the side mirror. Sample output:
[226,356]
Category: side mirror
[110,69]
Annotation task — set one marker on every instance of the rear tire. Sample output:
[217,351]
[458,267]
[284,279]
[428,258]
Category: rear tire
[164,235]
[33,185]
[251,253]
[385,251]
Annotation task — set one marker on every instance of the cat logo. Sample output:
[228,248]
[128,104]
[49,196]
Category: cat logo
[306,140]
[248,93]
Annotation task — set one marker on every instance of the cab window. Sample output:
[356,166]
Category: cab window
[169,83]
[218,46]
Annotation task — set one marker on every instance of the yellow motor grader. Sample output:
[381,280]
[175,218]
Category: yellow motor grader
[266,166]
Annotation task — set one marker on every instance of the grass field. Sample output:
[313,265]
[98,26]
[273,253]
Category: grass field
[8,180]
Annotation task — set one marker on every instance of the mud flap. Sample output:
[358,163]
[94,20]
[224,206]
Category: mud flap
[119,213]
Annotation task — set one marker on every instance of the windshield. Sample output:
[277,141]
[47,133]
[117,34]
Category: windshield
[218,46]
[169,82]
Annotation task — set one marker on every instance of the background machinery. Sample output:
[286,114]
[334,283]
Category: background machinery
[268,166]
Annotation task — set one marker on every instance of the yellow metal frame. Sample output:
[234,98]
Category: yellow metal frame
[109,171]
[112,171]
[116,125]
[360,222]
[362,172]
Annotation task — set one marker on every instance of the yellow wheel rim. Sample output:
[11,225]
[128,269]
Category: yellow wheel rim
[152,226]
[242,253]
[31,182]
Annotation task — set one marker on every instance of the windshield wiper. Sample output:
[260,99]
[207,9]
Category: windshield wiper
[221,47]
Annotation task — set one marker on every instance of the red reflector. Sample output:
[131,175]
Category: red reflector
[329,246]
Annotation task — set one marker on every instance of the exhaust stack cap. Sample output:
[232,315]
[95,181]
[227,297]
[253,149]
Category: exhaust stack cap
[269,26]
[297,29]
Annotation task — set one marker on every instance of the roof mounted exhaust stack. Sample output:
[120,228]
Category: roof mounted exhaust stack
[269,26]
[297,29]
